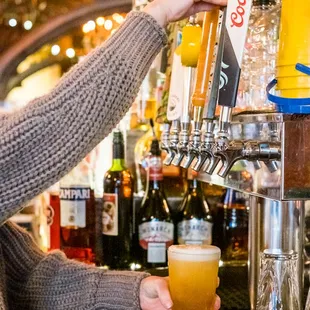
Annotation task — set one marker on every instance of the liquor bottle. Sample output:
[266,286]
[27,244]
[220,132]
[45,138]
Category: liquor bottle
[117,210]
[77,214]
[195,222]
[156,229]
[53,218]
[231,224]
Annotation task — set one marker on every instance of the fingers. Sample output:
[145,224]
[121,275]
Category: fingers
[216,2]
[200,7]
[163,293]
[217,304]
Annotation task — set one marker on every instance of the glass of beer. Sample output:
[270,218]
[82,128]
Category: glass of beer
[193,276]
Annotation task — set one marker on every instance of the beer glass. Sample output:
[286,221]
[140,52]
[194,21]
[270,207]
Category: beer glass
[193,276]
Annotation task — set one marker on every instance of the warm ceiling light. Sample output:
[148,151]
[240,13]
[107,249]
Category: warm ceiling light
[70,52]
[100,21]
[118,18]
[55,50]
[12,22]
[28,24]
[113,31]
[108,25]
[85,28]
[115,16]
[91,25]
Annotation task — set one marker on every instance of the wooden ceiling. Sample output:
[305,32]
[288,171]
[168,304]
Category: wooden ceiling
[38,11]
[52,19]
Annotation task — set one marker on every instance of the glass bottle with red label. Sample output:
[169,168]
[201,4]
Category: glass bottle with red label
[195,219]
[156,229]
[117,210]
[77,214]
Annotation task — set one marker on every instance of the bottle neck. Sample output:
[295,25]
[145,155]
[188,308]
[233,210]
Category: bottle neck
[118,163]
[155,172]
[194,186]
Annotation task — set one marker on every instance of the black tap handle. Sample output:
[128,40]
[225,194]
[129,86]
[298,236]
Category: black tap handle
[209,110]
[236,27]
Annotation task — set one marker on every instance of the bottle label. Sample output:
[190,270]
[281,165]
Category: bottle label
[110,215]
[155,168]
[195,232]
[156,237]
[156,253]
[73,206]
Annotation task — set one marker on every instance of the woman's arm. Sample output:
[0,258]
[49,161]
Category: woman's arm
[45,140]
[39,281]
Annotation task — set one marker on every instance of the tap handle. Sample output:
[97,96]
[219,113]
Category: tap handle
[236,27]
[205,59]
[191,43]
[209,111]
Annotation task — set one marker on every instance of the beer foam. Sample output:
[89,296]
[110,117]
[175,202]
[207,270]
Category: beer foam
[194,252]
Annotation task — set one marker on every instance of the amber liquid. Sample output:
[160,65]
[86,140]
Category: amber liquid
[79,243]
[193,284]
[231,229]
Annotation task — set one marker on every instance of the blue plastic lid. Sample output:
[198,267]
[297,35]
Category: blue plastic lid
[290,105]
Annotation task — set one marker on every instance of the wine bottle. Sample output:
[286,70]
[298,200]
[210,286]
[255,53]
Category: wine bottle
[232,225]
[195,221]
[156,227]
[117,210]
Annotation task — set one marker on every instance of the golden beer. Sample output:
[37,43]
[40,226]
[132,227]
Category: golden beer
[193,273]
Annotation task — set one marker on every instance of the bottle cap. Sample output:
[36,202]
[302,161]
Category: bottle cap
[118,137]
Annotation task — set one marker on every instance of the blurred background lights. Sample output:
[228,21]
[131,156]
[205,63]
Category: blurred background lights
[70,52]
[55,50]
[100,21]
[89,26]
[28,24]
[12,22]
[108,25]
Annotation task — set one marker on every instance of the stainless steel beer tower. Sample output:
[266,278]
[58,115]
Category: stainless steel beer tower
[266,155]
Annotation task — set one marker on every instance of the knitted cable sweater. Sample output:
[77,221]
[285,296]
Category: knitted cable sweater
[44,141]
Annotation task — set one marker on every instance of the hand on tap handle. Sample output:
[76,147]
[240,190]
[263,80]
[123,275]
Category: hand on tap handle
[167,11]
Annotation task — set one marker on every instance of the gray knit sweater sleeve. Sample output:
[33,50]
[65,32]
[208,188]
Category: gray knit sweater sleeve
[45,140]
[38,281]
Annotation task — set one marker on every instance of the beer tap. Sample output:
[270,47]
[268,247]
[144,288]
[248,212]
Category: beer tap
[275,148]
[191,41]
[165,143]
[235,36]
[199,97]
[171,139]
[207,147]
[170,134]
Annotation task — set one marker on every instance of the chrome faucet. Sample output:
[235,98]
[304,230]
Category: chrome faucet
[173,142]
